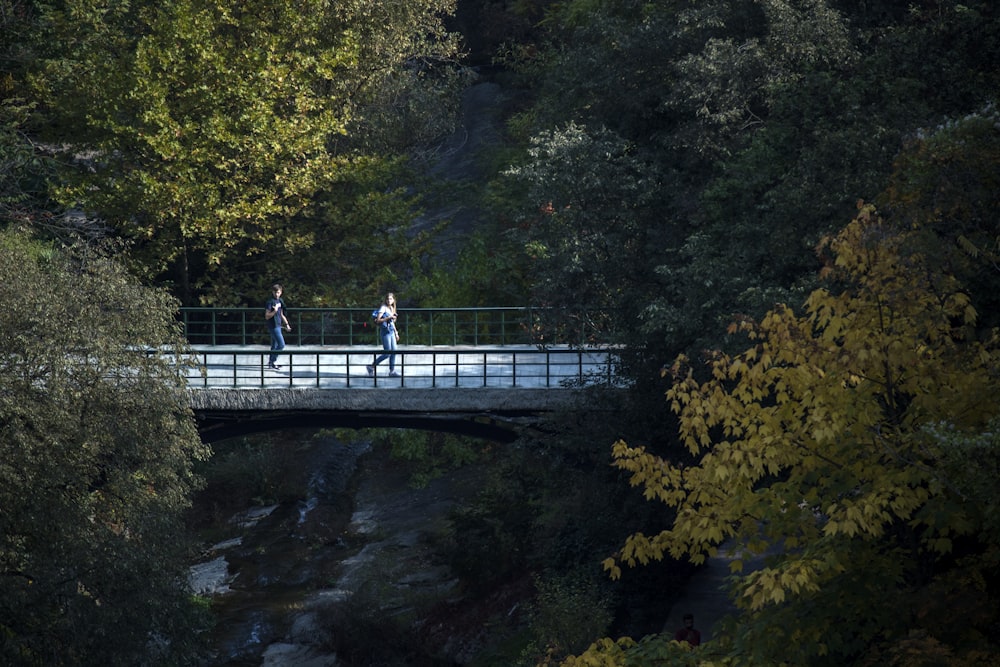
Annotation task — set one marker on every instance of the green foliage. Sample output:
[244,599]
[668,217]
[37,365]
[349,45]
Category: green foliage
[569,609]
[971,461]
[945,185]
[680,163]
[650,651]
[97,442]
[27,166]
[547,508]
[812,445]
[22,172]
[430,454]
[757,123]
[245,137]
[590,192]
[486,272]
[248,471]
[493,532]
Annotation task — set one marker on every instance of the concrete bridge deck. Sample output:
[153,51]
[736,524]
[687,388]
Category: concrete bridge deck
[440,388]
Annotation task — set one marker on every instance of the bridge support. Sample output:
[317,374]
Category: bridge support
[496,414]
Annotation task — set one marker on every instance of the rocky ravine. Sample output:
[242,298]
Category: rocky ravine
[300,583]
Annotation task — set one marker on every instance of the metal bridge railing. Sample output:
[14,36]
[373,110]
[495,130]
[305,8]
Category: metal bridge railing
[343,368]
[353,326]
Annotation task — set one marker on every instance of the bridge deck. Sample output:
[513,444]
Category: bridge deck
[419,368]
[233,391]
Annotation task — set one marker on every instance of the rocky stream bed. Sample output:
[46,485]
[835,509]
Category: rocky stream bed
[349,574]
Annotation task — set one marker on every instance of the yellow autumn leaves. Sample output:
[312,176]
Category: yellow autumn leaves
[813,435]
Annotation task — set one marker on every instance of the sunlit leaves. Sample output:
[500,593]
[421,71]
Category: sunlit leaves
[223,133]
[228,115]
[813,439]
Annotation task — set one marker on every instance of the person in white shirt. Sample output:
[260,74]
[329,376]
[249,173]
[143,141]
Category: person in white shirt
[385,319]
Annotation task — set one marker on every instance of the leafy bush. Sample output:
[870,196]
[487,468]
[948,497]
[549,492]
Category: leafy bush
[571,608]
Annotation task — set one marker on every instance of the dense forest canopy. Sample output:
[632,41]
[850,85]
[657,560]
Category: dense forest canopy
[97,445]
[825,173]
[233,139]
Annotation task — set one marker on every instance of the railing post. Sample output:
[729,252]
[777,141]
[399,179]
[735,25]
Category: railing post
[241,325]
[230,367]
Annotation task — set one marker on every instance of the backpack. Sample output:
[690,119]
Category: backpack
[381,325]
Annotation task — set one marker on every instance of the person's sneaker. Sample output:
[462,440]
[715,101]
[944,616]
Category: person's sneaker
[275,367]
[394,374]
[370,369]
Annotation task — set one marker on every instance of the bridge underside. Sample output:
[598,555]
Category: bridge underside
[496,414]
[219,426]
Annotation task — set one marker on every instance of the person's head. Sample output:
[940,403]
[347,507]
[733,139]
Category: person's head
[276,289]
[688,620]
[389,300]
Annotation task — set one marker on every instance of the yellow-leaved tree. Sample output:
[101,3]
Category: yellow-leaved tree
[820,450]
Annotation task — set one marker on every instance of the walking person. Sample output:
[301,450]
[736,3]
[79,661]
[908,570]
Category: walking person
[274,317]
[385,318]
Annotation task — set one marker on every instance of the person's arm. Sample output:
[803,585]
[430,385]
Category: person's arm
[270,311]
[284,320]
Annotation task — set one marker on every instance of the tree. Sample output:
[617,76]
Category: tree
[24,170]
[225,139]
[97,442]
[591,194]
[945,185]
[21,173]
[763,120]
[816,447]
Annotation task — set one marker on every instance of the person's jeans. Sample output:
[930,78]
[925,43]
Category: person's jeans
[277,344]
[388,343]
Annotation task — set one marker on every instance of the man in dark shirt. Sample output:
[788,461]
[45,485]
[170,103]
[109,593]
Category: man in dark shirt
[274,316]
[688,633]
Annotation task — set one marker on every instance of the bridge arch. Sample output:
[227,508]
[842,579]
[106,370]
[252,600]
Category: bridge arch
[495,414]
